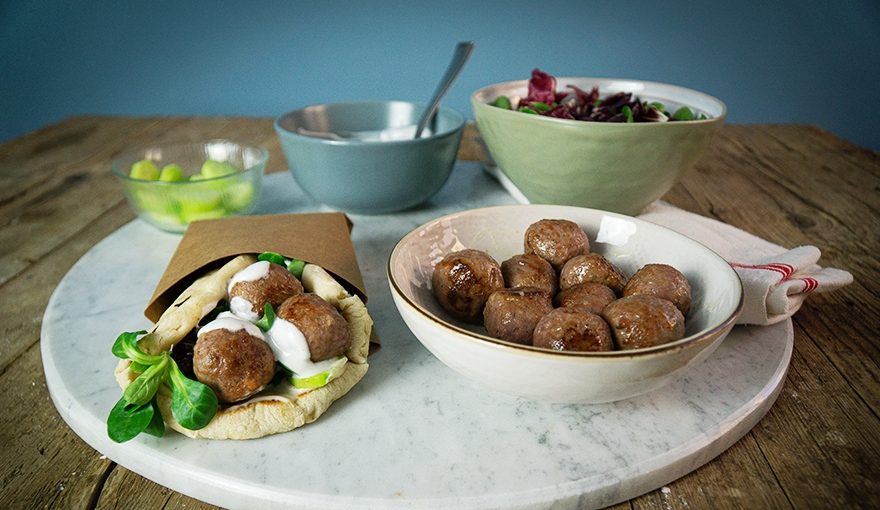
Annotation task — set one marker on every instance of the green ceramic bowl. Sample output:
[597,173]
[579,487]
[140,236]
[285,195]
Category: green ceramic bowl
[615,167]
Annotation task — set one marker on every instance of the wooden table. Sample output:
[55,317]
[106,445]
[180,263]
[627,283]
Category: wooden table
[818,447]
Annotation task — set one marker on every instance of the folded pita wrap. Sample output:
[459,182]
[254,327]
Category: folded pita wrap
[280,407]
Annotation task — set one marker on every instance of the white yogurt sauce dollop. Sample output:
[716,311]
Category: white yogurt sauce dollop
[291,349]
[238,305]
[391,134]
[229,322]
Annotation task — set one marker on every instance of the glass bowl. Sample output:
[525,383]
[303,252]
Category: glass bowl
[171,202]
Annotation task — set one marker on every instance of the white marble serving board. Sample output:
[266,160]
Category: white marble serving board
[413,433]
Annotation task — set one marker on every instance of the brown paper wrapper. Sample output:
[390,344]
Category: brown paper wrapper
[323,239]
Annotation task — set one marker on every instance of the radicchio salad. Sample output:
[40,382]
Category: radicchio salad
[577,104]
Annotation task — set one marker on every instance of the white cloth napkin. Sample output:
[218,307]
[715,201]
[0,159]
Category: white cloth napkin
[775,280]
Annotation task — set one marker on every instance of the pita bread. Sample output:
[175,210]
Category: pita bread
[277,408]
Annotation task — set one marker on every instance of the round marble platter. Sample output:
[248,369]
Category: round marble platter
[413,433]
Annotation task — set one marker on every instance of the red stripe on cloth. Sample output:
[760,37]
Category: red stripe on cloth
[784,269]
[810,284]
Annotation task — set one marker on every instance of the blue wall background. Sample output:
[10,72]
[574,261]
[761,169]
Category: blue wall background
[810,61]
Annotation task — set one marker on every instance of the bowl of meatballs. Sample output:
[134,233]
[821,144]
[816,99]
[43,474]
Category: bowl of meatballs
[561,303]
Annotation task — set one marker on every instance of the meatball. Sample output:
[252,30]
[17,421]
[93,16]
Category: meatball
[325,329]
[462,282]
[529,270]
[642,320]
[594,268]
[663,281]
[586,297]
[260,283]
[556,241]
[511,314]
[232,360]
[567,329]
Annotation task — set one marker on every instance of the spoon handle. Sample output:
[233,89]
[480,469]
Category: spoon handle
[462,52]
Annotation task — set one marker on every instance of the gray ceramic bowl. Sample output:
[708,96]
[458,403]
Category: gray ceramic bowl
[361,156]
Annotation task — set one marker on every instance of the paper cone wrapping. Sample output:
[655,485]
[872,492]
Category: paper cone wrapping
[323,239]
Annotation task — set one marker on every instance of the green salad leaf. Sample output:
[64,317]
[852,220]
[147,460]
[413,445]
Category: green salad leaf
[193,404]
[127,421]
[265,323]
[272,257]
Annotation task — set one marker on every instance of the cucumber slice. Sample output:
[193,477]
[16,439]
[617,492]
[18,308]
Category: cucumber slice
[171,173]
[144,170]
[213,168]
[320,379]
[238,196]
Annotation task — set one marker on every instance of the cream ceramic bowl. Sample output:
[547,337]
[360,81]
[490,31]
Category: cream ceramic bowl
[562,376]
[616,167]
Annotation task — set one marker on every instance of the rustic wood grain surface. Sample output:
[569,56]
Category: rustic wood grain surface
[818,447]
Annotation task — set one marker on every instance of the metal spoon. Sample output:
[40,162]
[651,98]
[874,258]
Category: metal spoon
[459,58]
